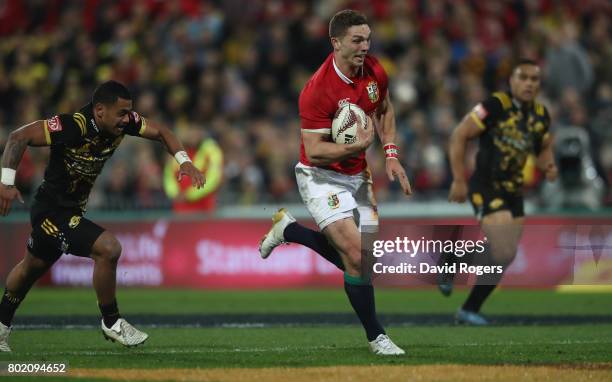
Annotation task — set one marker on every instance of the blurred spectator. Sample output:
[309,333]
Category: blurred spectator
[208,158]
[121,186]
[148,178]
[567,62]
[237,68]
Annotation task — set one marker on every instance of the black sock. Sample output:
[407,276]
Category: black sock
[485,284]
[361,296]
[297,233]
[477,297]
[8,306]
[110,313]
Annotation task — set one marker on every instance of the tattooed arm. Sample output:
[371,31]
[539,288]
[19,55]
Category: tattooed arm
[33,134]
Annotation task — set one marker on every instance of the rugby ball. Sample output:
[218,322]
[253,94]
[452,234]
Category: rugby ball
[349,117]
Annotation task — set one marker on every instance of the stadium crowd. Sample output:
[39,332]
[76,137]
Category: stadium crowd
[235,68]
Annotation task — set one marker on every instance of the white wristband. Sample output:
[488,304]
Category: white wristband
[182,157]
[8,176]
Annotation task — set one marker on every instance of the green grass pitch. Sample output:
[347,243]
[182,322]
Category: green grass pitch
[573,342]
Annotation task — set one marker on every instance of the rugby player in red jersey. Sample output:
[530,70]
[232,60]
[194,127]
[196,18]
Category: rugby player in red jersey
[333,179]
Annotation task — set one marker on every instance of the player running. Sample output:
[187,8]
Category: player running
[80,145]
[333,179]
[510,126]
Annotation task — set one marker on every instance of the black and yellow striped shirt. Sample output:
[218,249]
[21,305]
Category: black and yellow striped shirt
[79,150]
[512,131]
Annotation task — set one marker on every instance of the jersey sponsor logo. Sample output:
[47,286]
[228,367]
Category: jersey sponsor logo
[333,202]
[496,203]
[74,221]
[54,124]
[93,123]
[480,111]
[138,119]
[372,89]
[136,116]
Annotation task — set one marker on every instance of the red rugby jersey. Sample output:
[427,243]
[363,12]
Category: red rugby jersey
[329,88]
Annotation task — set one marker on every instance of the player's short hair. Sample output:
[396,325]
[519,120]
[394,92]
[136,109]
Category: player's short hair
[523,61]
[343,20]
[108,92]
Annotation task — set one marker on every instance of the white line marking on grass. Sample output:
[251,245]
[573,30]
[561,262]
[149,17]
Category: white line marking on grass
[49,326]
[286,349]
[246,325]
[283,349]
[514,343]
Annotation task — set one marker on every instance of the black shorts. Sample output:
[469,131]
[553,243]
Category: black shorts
[56,231]
[486,200]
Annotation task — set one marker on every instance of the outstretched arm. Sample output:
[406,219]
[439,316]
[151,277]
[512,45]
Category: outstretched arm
[157,132]
[33,134]
[386,131]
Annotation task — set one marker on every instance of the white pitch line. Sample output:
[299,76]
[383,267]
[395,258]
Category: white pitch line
[513,343]
[190,351]
[285,349]
[246,325]
[249,325]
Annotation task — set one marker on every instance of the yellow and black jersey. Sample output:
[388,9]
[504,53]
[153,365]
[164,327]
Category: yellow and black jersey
[79,150]
[512,131]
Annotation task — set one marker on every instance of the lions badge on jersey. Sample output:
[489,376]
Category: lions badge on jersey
[54,124]
[372,89]
[333,202]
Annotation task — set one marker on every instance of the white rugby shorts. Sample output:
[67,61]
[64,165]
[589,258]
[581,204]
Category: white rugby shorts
[331,196]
